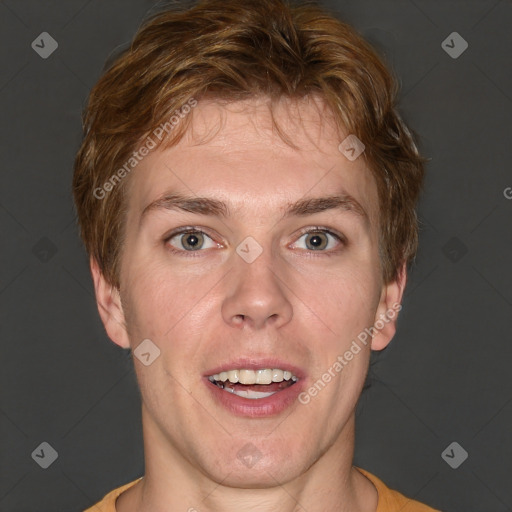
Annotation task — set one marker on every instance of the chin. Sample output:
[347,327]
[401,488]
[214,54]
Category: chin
[263,478]
[247,467]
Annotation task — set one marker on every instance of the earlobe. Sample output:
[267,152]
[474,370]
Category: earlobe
[110,308]
[388,309]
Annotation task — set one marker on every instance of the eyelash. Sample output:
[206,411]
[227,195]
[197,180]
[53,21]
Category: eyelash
[193,229]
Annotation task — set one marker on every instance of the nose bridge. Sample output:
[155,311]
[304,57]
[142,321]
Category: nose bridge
[256,292]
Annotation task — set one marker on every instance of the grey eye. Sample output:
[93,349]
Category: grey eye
[190,241]
[318,241]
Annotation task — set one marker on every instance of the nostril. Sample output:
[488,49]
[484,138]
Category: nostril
[239,318]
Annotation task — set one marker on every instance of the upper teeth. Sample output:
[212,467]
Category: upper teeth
[253,376]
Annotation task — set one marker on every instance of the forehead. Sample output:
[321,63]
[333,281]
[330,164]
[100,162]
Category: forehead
[233,152]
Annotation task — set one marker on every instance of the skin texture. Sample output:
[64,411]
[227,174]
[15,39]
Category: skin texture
[298,304]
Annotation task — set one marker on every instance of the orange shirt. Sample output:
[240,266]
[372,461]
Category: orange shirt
[389,500]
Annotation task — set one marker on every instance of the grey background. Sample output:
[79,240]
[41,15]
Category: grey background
[444,378]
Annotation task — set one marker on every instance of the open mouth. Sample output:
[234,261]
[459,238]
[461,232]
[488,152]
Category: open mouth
[254,384]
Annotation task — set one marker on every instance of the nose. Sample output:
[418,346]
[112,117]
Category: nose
[256,294]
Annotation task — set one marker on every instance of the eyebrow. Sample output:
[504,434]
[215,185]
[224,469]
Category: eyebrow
[216,208]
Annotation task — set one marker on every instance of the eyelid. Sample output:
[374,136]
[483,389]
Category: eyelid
[324,229]
[186,229]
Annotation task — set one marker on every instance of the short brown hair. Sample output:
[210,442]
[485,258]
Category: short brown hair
[234,50]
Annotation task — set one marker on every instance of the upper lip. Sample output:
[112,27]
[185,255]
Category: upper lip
[256,363]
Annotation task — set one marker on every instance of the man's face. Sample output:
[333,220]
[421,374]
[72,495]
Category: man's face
[249,290]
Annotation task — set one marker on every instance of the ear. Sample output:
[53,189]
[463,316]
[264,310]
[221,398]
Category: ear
[109,307]
[386,316]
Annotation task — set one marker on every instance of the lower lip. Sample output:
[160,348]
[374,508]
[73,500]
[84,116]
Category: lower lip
[259,407]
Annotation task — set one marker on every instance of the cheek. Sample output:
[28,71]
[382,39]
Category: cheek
[347,301]
[165,304]
[151,301]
